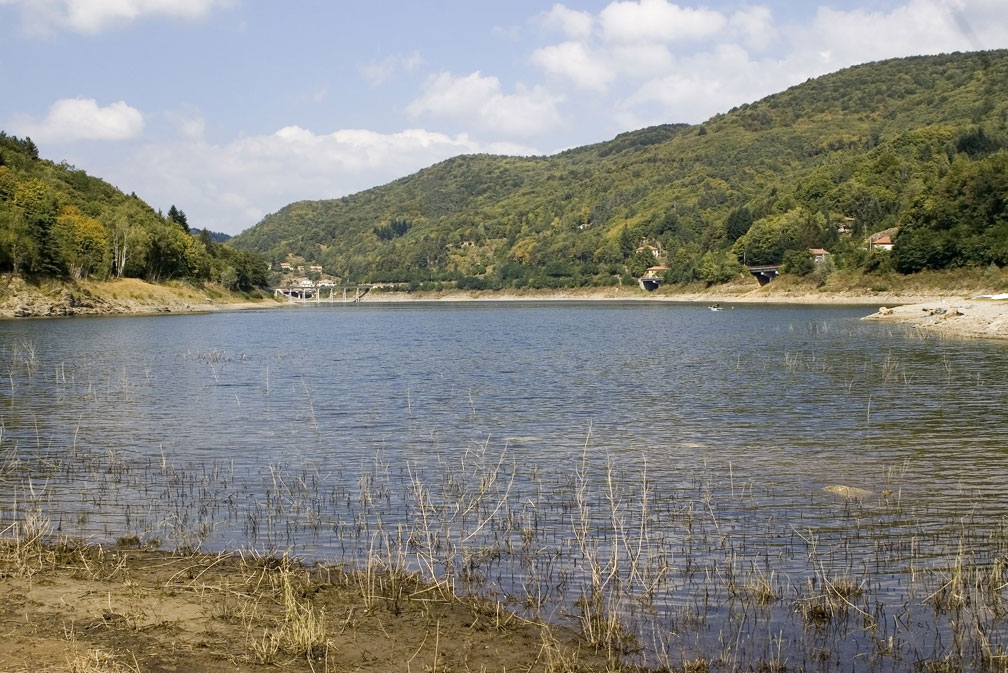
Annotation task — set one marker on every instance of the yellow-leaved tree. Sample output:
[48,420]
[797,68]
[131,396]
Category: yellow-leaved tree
[82,242]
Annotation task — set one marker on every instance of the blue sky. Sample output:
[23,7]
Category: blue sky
[231,109]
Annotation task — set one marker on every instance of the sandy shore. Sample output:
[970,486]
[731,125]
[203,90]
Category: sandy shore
[955,317]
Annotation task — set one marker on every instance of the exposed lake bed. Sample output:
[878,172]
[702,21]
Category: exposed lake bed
[783,486]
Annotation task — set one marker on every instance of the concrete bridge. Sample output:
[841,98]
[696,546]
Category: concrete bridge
[324,293]
[765,273]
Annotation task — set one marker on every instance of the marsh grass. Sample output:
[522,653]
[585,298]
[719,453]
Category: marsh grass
[94,660]
[645,579]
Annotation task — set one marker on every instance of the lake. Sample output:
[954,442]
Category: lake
[756,484]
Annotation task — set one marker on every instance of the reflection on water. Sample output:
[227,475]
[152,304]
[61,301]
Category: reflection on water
[681,454]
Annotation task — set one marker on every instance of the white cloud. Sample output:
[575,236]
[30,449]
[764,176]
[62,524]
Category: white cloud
[188,122]
[572,23]
[754,26]
[229,187]
[377,73]
[526,113]
[94,16]
[75,119]
[479,100]
[698,87]
[658,20]
[641,60]
[448,95]
[576,62]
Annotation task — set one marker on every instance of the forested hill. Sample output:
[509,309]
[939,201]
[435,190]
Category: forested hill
[59,222]
[914,148]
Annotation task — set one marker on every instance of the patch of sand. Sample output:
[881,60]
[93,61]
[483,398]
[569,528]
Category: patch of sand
[978,317]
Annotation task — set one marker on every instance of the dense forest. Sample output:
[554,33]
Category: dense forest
[57,221]
[915,149]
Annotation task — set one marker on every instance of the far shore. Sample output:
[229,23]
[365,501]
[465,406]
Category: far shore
[961,314]
[714,296]
[958,311]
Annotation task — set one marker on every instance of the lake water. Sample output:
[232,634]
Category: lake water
[511,446]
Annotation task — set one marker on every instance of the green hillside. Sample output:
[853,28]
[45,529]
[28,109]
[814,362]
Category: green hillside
[913,147]
[59,222]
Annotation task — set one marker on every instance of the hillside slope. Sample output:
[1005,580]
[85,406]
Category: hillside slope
[864,150]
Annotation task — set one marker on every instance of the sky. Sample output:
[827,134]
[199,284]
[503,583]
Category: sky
[232,109]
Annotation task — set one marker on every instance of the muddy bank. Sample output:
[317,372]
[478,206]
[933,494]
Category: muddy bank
[127,608]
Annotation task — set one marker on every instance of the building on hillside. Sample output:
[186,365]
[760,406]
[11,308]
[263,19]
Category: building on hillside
[286,266]
[317,268]
[883,242]
[655,252]
[819,255]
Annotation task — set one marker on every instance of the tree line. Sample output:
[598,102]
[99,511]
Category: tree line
[57,221]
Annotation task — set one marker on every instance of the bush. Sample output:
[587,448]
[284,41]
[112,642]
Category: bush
[919,248]
[718,267]
[798,262]
[471,283]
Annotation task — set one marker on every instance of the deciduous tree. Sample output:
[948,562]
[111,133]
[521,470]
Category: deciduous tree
[81,241]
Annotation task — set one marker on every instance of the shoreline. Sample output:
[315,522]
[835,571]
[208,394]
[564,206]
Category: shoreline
[952,313]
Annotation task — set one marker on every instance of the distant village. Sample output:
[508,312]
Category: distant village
[304,275]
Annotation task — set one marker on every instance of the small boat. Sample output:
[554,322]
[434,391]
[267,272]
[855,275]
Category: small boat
[715,307]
